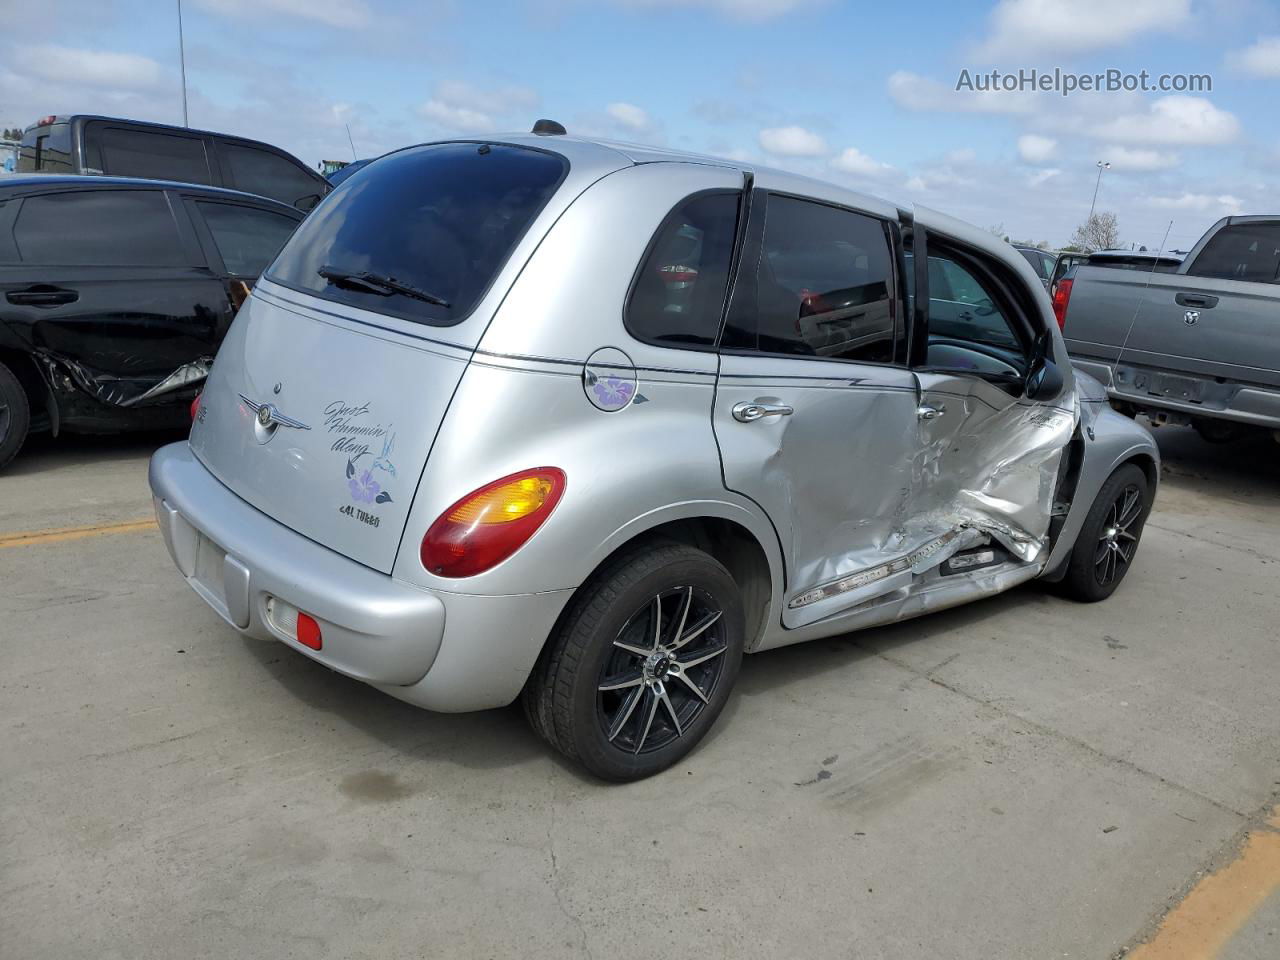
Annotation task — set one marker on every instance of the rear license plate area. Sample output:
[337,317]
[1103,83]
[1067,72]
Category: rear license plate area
[1175,387]
[208,577]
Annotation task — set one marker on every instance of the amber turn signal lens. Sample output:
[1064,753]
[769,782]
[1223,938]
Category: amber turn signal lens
[490,524]
[509,502]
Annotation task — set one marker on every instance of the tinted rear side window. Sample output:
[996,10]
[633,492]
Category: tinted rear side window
[678,295]
[824,285]
[98,228]
[1247,251]
[160,156]
[269,175]
[247,238]
[442,219]
[46,150]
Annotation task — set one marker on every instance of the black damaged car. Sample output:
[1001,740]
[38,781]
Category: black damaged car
[114,296]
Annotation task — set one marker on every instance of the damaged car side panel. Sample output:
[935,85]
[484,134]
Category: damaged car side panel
[115,294]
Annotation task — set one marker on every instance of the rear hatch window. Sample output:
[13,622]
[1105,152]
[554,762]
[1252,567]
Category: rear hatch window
[425,236]
[46,149]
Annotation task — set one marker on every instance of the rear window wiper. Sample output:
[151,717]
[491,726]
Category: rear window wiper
[374,283]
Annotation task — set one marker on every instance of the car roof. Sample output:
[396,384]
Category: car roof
[1135,255]
[44,180]
[605,156]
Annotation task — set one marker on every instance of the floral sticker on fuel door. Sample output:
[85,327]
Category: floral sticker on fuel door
[367,447]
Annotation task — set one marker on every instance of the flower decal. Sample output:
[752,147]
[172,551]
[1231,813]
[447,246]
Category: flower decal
[365,489]
[612,392]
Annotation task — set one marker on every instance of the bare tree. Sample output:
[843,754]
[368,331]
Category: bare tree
[1100,232]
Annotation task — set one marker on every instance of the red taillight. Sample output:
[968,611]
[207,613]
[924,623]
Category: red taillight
[678,273]
[1061,297]
[195,407]
[490,524]
[309,632]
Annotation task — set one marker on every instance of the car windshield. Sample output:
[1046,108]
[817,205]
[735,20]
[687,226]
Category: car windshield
[442,219]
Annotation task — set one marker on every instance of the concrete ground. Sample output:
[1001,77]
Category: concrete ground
[1022,778]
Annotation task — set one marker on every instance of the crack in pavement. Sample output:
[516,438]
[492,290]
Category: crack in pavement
[1049,731]
[555,878]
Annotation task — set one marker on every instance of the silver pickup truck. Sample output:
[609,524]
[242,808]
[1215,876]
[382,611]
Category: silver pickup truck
[1200,345]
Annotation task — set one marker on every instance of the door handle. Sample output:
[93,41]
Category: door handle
[1201,300]
[745,412]
[927,412]
[42,296]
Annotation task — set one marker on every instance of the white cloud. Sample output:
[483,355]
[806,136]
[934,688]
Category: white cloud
[1261,59]
[733,9]
[914,92]
[854,161]
[630,116]
[1042,176]
[1198,203]
[453,117]
[1035,149]
[792,142]
[1122,158]
[1023,28]
[66,65]
[961,156]
[1192,121]
[462,107]
[333,13]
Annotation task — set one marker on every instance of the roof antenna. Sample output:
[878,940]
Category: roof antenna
[1142,301]
[549,128]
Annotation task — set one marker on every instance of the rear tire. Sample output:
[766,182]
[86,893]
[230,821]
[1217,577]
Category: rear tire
[1108,542]
[661,630]
[15,416]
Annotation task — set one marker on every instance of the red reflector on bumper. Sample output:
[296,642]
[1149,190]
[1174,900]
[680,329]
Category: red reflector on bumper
[309,632]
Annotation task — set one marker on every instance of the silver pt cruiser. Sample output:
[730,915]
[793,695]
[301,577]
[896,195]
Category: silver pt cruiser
[583,423]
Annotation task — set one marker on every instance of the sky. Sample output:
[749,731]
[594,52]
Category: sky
[863,94]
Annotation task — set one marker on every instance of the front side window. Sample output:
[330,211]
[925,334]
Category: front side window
[678,294]
[247,238]
[159,156]
[969,327]
[99,228]
[440,221]
[1246,251]
[270,175]
[823,285]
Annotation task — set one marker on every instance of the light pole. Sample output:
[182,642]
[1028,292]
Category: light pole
[182,60]
[1101,166]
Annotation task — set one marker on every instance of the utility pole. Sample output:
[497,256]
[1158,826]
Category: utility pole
[1101,166]
[182,60]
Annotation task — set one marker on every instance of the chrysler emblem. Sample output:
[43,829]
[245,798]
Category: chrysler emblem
[269,416]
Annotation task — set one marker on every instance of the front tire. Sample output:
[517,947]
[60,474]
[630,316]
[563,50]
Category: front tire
[15,416]
[1108,541]
[641,664]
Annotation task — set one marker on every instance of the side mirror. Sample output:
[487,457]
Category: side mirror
[984,308]
[1044,379]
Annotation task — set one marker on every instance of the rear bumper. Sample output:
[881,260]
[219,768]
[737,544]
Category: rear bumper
[253,571]
[1193,395]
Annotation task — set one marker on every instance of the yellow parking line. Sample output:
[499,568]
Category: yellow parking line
[1220,904]
[32,537]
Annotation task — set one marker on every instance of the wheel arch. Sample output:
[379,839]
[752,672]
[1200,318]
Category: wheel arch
[39,399]
[727,532]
